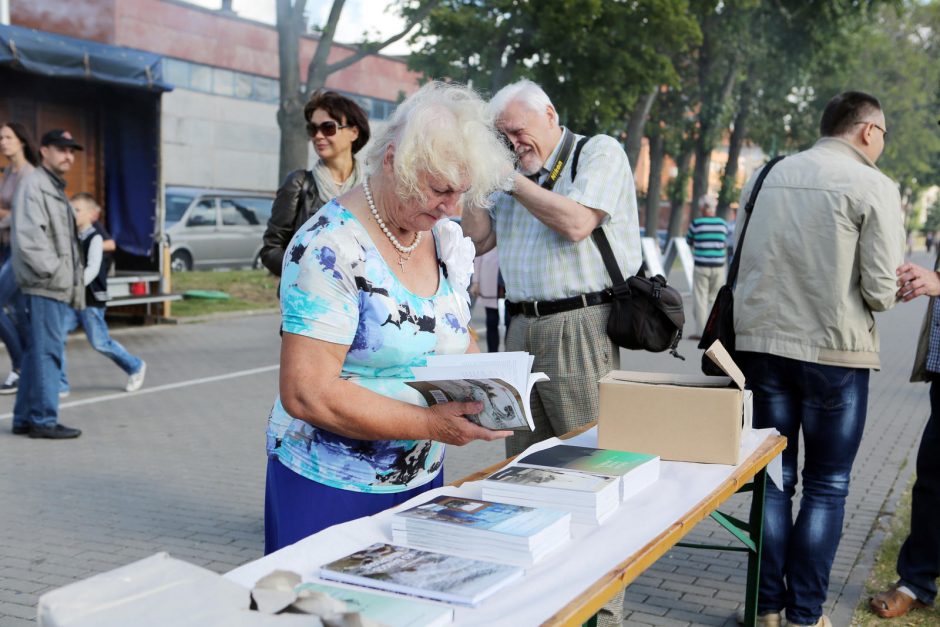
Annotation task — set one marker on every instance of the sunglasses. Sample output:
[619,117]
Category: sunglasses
[328,128]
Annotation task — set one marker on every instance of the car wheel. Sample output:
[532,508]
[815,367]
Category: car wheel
[181,261]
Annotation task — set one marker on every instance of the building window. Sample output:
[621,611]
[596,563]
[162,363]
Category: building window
[223,82]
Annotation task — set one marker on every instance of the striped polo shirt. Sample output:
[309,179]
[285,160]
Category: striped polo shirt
[708,237]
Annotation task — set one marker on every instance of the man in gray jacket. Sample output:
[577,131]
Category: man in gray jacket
[818,258]
[48,269]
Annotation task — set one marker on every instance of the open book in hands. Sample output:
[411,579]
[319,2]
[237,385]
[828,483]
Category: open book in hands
[501,381]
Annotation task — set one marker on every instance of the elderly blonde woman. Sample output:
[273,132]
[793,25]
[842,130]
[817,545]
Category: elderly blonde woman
[374,283]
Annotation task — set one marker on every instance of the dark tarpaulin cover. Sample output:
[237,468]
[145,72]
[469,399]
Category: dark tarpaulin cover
[49,54]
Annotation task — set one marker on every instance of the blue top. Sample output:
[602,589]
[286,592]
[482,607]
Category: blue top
[337,287]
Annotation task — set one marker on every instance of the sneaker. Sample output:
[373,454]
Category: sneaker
[767,619]
[21,429]
[136,380]
[822,622]
[9,386]
[55,432]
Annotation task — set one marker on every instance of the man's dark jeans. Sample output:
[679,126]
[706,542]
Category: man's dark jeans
[829,404]
[37,398]
[919,560]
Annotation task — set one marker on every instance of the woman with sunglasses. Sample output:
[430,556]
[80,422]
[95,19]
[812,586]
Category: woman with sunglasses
[338,128]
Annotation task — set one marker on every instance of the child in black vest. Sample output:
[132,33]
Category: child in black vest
[97,264]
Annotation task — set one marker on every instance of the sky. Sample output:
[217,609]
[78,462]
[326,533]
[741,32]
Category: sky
[358,16]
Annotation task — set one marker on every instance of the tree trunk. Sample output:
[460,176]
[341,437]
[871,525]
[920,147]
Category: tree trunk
[729,179]
[703,160]
[636,125]
[677,195]
[290,25]
[654,186]
[293,146]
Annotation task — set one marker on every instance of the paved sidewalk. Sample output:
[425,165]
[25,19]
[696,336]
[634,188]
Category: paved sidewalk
[179,467]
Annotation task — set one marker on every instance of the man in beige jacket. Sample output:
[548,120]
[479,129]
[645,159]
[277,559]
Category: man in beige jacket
[819,257]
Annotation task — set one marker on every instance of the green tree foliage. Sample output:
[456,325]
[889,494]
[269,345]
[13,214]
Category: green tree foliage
[593,57]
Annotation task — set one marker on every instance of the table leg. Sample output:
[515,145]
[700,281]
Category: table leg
[756,529]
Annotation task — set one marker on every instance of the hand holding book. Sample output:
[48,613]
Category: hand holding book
[449,423]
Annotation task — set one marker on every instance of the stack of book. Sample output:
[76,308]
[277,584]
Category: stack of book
[591,499]
[483,529]
[436,576]
[637,471]
[588,482]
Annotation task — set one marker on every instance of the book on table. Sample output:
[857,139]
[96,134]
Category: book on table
[426,574]
[389,610]
[501,381]
[591,498]
[500,532]
[637,471]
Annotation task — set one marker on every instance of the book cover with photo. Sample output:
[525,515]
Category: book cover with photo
[475,516]
[391,611]
[500,532]
[637,471]
[426,574]
[590,498]
[503,383]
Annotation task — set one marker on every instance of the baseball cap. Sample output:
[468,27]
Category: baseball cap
[60,138]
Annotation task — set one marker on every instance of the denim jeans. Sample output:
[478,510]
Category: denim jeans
[96,330]
[11,333]
[37,397]
[919,560]
[829,405]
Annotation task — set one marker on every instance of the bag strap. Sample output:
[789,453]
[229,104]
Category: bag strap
[749,209]
[563,154]
[607,253]
[305,187]
[577,155]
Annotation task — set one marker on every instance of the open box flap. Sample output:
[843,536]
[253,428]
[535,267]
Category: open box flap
[717,353]
[662,378]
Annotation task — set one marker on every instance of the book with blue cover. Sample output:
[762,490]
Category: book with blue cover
[637,471]
[489,530]
[392,611]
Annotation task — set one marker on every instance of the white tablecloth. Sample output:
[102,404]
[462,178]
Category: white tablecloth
[553,582]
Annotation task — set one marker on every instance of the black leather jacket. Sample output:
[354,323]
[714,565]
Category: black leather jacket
[296,200]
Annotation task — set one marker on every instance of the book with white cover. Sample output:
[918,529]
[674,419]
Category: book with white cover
[637,471]
[426,574]
[590,498]
[501,381]
[392,611]
[483,529]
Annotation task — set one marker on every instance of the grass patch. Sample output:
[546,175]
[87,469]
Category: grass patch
[884,574]
[249,289]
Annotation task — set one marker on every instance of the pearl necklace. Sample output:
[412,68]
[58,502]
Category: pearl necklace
[404,250]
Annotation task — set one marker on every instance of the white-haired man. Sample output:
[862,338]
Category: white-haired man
[556,282]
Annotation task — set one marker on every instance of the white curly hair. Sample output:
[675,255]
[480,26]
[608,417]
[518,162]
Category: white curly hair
[444,131]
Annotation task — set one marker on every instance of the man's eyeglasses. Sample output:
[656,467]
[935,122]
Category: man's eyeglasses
[883,131]
[328,128]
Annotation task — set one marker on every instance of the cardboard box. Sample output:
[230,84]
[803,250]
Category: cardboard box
[690,418]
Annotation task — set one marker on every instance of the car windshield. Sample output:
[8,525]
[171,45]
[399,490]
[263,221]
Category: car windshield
[176,205]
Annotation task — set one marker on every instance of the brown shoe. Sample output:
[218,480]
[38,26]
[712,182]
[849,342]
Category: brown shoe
[893,603]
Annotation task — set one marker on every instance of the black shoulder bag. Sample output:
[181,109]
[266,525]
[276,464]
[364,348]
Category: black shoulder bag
[720,324]
[646,314]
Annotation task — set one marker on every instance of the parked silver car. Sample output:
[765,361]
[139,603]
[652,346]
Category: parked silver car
[212,228]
